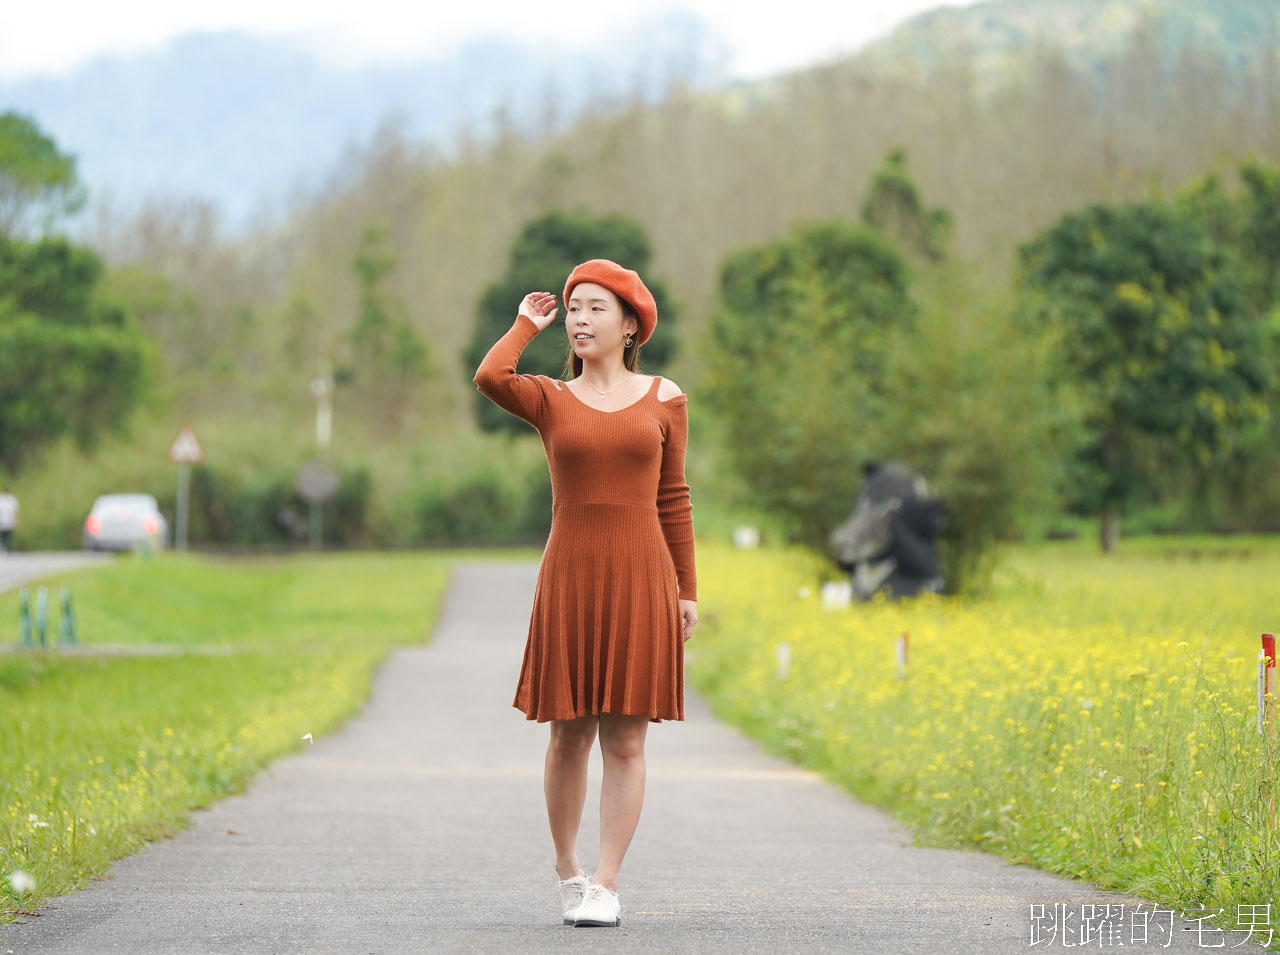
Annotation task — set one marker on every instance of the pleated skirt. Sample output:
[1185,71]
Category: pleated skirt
[604,632]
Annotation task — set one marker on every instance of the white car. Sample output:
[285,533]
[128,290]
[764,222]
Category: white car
[125,522]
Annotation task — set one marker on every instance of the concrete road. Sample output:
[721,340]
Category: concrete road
[420,828]
[23,567]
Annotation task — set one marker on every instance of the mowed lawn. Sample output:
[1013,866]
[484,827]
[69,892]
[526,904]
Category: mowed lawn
[99,754]
[1092,716]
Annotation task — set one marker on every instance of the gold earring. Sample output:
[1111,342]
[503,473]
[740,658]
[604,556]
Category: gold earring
[626,342]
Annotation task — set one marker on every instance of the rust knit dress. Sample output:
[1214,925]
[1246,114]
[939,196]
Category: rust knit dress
[605,631]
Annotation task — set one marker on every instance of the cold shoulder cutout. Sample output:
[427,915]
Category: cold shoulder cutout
[668,389]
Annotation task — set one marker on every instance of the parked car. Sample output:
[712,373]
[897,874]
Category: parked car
[125,522]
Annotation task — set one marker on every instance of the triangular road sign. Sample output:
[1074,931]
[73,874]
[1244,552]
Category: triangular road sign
[186,448]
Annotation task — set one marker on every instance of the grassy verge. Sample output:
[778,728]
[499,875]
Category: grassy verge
[1092,717]
[100,755]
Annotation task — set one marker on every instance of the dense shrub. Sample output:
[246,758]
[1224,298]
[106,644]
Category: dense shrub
[485,506]
[264,508]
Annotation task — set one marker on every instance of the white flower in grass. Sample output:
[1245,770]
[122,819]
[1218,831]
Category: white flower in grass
[22,882]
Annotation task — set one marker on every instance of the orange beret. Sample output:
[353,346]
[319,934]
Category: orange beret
[623,283]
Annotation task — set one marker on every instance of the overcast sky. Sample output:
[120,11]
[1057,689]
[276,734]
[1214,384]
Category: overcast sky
[55,36]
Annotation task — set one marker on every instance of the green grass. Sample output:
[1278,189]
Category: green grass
[98,755]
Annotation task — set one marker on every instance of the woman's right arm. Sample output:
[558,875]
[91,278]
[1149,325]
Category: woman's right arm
[496,377]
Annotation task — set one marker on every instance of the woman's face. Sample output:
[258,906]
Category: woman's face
[594,321]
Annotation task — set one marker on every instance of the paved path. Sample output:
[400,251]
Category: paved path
[420,828]
[21,567]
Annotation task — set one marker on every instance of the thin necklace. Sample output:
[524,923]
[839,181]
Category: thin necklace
[604,394]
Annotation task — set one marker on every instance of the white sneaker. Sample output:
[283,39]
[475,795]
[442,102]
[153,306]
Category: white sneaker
[572,891]
[599,907]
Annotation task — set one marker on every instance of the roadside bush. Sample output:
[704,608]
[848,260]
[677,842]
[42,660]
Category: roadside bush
[264,508]
[485,506]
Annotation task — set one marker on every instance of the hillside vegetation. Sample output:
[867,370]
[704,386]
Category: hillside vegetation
[1134,103]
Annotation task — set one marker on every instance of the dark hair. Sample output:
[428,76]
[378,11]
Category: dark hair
[630,354]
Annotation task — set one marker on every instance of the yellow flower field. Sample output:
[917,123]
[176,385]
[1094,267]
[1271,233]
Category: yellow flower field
[1096,717]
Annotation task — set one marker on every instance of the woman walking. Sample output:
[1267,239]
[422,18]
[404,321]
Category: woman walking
[616,592]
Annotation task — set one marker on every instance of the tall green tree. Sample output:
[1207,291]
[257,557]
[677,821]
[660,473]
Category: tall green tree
[71,362]
[382,340]
[1149,318]
[542,256]
[1244,493]
[797,358]
[386,357]
[37,182]
[1247,221]
[894,206]
[966,401]
[1262,229]
[169,314]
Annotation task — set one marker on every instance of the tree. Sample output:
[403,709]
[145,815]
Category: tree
[798,355]
[893,205]
[1150,324]
[542,256]
[1262,229]
[70,361]
[1243,492]
[37,183]
[1247,221]
[382,340]
[387,356]
[966,401]
[168,314]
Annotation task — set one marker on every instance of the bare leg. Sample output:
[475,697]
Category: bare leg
[621,791]
[565,784]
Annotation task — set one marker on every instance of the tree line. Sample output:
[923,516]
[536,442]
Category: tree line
[703,173]
[953,355]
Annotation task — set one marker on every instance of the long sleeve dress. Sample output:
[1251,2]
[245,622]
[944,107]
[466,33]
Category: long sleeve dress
[605,630]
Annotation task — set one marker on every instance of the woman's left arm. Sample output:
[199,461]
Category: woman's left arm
[675,509]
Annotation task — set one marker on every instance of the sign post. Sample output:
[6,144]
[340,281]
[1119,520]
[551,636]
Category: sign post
[317,483]
[184,452]
[322,388]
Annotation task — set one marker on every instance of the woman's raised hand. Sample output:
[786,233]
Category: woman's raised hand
[539,308]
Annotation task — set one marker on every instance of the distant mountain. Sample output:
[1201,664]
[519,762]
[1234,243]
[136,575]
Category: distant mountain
[243,120]
[246,121]
[993,37]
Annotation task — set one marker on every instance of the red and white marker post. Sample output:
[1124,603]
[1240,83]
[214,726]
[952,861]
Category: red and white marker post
[1267,686]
